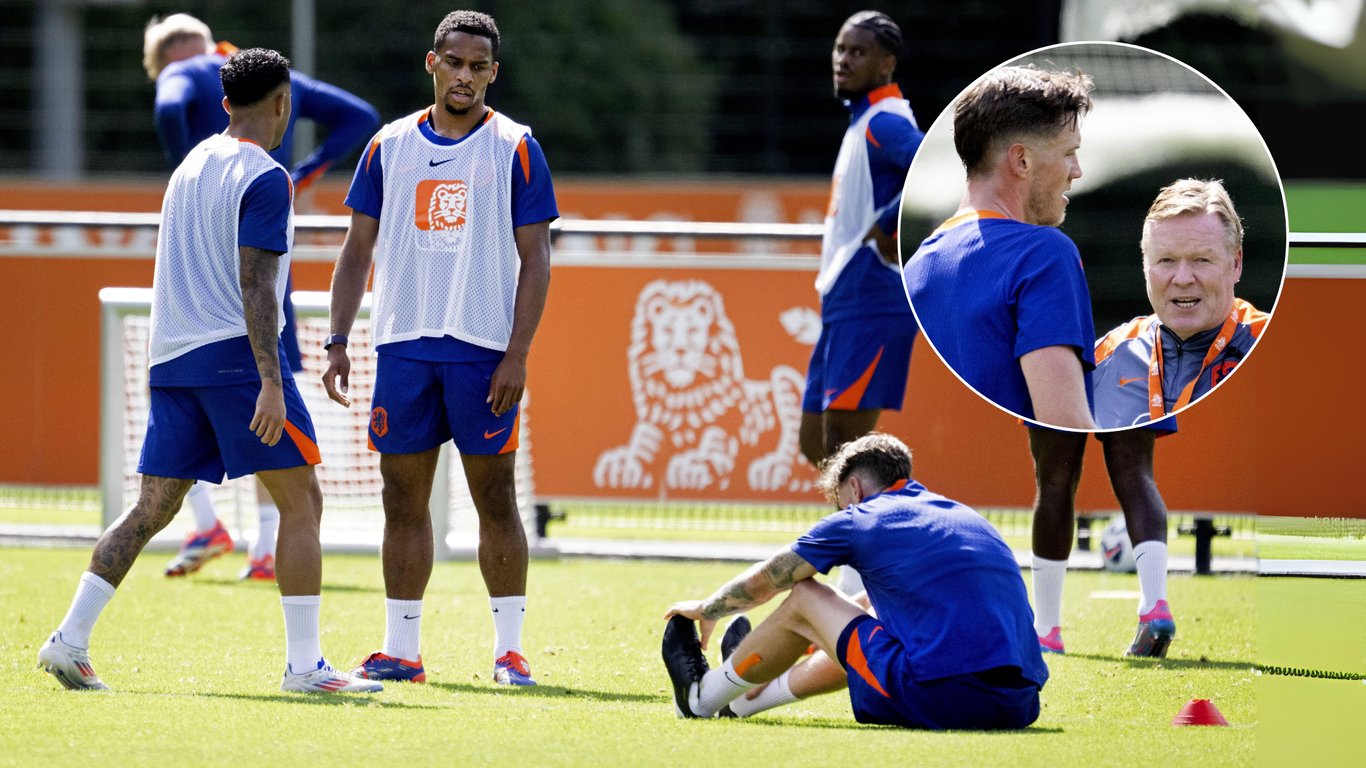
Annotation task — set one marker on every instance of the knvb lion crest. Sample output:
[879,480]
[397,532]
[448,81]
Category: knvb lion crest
[697,416]
[447,205]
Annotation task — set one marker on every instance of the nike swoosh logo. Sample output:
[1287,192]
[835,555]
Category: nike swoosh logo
[1126,382]
[490,435]
[434,163]
[406,616]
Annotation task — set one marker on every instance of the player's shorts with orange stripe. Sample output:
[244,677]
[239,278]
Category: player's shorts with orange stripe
[859,364]
[204,433]
[883,688]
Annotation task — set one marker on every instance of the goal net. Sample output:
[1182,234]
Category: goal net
[353,515]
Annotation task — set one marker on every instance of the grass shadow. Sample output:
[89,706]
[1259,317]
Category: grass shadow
[549,692]
[310,699]
[212,582]
[1133,662]
[852,725]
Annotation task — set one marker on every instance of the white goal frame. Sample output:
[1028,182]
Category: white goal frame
[454,522]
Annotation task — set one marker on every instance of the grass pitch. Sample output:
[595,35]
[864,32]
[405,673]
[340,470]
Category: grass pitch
[195,667]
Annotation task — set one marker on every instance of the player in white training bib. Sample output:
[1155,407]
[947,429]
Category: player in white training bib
[460,198]
[223,399]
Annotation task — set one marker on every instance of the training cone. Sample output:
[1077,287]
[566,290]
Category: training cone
[1199,712]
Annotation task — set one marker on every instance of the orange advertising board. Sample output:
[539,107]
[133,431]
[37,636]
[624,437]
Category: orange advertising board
[684,381]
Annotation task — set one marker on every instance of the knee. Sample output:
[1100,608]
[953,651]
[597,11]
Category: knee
[1058,476]
[807,592]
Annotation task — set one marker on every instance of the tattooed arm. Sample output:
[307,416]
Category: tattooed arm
[756,586]
[261,310]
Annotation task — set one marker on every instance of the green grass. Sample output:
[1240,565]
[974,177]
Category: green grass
[1274,547]
[1317,624]
[195,666]
[1326,207]
[1311,538]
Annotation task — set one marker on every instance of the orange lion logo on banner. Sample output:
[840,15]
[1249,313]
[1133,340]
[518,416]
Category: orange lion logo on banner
[700,422]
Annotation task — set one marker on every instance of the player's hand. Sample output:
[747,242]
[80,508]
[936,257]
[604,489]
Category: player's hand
[692,609]
[269,420]
[338,365]
[505,387]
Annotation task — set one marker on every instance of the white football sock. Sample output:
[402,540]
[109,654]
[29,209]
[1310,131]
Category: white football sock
[776,694]
[92,594]
[402,629]
[1150,557]
[201,503]
[269,516]
[303,648]
[718,688]
[508,613]
[1048,576]
[851,582]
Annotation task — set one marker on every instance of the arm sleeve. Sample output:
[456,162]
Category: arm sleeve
[367,186]
[827,544]
[171,115]
[348,118]
[533,194]
[892,144]
[263,219]
[1051,300]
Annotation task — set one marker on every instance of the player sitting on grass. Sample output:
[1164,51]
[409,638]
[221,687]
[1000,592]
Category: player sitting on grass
[950,645]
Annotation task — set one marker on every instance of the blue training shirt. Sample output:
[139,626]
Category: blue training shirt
[533,201]
[189,109]
[940,578]
[263,222]
[988,290]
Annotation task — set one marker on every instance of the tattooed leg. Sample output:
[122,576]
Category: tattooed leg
[813,614]
[158,501]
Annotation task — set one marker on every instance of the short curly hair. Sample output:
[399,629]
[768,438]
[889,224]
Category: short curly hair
[251,74]
[469,22]
[883,457]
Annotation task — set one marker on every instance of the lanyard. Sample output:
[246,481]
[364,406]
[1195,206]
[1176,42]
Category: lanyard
[1156,403]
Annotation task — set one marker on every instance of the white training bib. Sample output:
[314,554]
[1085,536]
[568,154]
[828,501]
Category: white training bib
[852,211]
[196,287]
[447,261]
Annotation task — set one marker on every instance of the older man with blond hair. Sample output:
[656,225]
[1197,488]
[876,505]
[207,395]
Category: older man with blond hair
[1199,331]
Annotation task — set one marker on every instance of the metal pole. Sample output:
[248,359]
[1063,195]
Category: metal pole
[59,121]
[303,54]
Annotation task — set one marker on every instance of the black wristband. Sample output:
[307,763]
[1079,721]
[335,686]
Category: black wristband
[335,338]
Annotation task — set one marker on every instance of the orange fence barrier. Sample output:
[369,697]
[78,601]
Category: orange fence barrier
[719,354]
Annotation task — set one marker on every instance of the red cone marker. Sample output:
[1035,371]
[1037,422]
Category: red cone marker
[1199,712]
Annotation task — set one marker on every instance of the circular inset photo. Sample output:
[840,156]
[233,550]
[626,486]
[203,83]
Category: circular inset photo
[1093,237]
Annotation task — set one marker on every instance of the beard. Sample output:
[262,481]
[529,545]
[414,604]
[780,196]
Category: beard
[1045,211]
[458,112]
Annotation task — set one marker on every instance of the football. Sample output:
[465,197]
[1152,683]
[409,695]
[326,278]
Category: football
[1117,553]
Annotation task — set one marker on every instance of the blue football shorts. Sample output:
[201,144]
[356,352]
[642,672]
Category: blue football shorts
[420,404]
[860,364]
[882,689]
[204,433]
